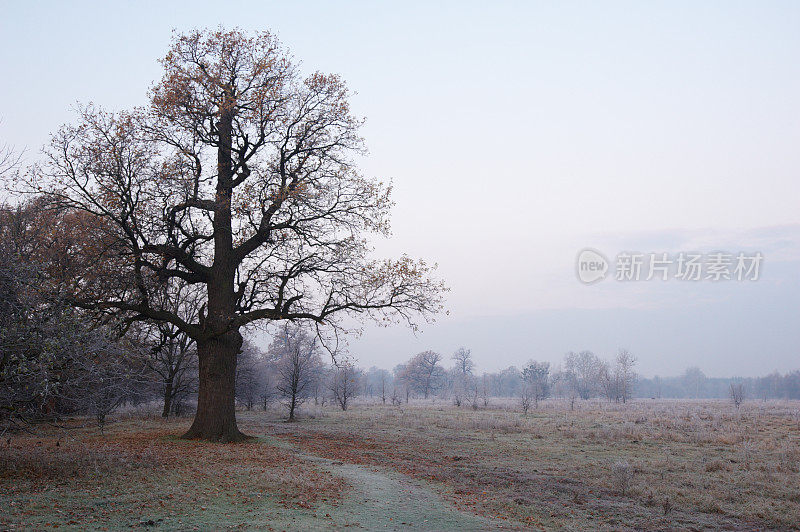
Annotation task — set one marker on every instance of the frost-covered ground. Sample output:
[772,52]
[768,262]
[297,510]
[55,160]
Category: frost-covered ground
[427,465]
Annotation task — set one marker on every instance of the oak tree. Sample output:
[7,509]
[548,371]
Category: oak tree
[240,177]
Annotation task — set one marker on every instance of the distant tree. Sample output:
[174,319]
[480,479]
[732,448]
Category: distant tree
[463,361]
[484,391]
[536,385]
[625,375]
[657,383]
[396,399]
[771,385]
[607,382]
[461,378]
[737,394]
[562,386]
[173,358]
[402,382]
[424,373]
[456,384]
[173,353]
[507,384]
[319,384]
[378,380]
[585,372]
[694,381]
[473,393]
[297,357]
[344,383]
[786,386]
[384,378]
[525,398]
[266,388]
[249,373]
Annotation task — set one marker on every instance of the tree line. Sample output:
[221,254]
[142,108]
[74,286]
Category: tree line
[694,384]
[584,375]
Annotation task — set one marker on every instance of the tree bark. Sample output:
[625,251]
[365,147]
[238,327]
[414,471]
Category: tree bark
[215,419]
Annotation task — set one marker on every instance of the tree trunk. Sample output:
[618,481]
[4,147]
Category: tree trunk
[291,406]
[215,419]
[167,398]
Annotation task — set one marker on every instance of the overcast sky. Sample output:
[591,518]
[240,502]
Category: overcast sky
[517,134]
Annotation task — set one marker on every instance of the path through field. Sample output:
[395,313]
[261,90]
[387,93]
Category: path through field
[386,500]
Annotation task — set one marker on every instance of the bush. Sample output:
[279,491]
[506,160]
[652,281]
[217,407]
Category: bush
[621,476]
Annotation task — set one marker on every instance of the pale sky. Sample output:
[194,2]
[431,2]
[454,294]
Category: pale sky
[517,134]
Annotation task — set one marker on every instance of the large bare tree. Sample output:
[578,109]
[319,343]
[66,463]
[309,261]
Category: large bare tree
[239,177]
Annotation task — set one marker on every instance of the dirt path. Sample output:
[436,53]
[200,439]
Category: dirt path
[387,500]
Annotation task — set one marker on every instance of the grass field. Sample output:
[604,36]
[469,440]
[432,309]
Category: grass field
[647,465]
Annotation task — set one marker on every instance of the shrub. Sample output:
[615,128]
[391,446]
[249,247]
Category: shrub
[621,475]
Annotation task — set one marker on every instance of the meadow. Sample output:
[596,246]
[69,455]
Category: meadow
[649,464]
